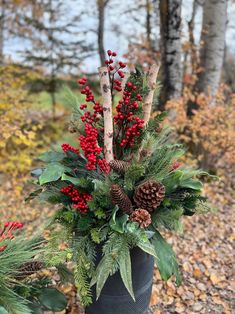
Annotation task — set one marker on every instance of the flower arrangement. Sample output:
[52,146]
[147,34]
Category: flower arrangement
[121,186]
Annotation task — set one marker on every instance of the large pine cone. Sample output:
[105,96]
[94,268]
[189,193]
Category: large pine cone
[142,217]
[119,166]
[120,198]
[149,195]
[28,269]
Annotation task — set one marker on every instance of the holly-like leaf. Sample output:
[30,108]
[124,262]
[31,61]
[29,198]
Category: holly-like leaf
[52,156]
[166,259]
[53,172]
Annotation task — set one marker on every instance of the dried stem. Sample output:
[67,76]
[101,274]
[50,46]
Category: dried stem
[124,81]
[107,109]
[148,100]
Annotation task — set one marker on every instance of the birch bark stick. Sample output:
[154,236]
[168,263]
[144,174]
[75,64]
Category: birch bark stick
[107,109]
[148,100]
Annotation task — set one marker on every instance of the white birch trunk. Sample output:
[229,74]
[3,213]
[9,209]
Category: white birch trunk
[213,45]
[171,65]
[107,110]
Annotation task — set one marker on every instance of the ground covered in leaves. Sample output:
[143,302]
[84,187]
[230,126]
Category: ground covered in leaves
[205,252]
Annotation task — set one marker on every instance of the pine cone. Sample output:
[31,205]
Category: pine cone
[149,195]
[142,217]
[120,198]
[28,269]
[119,166]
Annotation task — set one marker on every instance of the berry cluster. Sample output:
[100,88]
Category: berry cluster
[89,141]
[89,94]
[6,233]
[104,166]
[89,145]
[130,126]
[113,69]
[79,199]
[66,147]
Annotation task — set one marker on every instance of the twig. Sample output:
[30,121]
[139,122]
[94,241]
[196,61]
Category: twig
[107,109]
[148,100]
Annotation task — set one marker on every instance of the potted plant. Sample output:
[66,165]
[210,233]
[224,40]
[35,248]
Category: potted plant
[22,292]
[116,191]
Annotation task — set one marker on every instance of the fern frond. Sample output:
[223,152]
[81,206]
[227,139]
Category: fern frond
[85,266]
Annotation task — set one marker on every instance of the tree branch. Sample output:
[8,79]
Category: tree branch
[107,109]
[148,100]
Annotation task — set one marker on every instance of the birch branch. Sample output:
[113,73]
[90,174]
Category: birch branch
[148,100]
[107,109]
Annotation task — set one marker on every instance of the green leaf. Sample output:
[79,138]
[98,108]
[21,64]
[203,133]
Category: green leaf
[52,173]
[52,156]
[147,247]
[172,181]
[75,181]
[3,310]
[125,271]
[193,184]
[169,218]
[52,299]
[118,223]
[35,308]
[166,259]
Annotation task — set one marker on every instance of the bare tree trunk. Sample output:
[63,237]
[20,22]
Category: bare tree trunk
[148,23]
[2,20]
[101,18]
[213,44]
[170,29]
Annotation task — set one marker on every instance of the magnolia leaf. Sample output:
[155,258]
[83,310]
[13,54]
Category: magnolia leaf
[118,223]
[52,299]
[125,270]
[52,173]
[166,259]
[52,156]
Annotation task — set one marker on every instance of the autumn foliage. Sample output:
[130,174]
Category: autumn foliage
[209,134]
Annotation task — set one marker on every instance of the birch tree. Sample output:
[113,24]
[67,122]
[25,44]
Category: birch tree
[170,30]
[213,45]
[101,5]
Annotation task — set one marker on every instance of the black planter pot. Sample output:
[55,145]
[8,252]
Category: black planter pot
[115,299]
